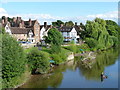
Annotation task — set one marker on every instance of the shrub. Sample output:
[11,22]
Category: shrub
[38,61]
[54,38]
[56,58]
[92,43]
[13,60]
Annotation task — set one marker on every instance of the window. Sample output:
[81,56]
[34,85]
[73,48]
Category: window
[67,33]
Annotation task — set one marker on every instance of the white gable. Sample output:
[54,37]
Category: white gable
[73,30]
[7,29]
[73,33]
[43,32]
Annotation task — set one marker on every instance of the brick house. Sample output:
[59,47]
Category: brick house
[22,30]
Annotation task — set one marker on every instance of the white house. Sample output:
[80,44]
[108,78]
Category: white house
[69,33]
[44,30]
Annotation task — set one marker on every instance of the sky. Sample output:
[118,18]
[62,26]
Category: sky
[65,11]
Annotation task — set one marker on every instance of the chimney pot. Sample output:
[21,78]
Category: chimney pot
[45,24]
[75,23]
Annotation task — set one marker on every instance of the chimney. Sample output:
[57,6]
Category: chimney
[6,20]
[75,23]
[61,25]
[30,22]
[3,22]
[14,19]
[22,22]
[45,24]
[19,19]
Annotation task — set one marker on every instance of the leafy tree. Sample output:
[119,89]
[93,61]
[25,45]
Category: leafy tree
[99,31]
[82,26]
[112,28]
[69,24]
[57,23]
[54,38]
[13,60]
[91,42]
[38,61]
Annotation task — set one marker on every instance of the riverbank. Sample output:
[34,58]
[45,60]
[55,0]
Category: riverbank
[70,56]
[69,74]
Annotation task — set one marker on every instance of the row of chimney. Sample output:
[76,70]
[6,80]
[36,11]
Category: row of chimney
[19,21]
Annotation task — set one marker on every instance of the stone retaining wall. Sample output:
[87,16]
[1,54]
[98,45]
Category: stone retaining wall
[70,56]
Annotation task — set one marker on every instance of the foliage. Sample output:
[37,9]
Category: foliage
[13,60]
[112,28]
[82,26]
[69,23]
[71,48]
[56,58]
[2,30]
[91,42]
[57,23]
[54,38]
[38,61]
[100,34]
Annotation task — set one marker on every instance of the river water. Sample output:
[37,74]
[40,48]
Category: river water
[75,75]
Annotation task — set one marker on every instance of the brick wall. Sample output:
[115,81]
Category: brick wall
[37,31]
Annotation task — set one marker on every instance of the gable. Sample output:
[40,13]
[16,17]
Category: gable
[73,30]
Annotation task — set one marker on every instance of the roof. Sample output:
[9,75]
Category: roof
[46,28]
[77,28]
[65,29]
[27,23]
[17,30]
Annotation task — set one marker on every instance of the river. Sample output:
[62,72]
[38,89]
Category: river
[75,75]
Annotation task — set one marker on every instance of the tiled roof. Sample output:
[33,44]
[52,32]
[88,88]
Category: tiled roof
[65,29]
[17,30]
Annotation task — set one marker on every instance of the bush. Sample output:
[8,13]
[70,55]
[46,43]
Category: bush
[38,61]
[56,58]
[13,60]
[55,39]
[92,43]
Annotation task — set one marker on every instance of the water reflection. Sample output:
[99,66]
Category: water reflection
[103,60]
[57,77]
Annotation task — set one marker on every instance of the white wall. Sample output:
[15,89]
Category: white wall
[7,29]
[72,34]
[42,33]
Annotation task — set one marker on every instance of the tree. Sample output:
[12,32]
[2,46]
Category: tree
[54,38]
[69,24]
[57,23]
[13,60]
[38,61]
[98,32]
[112,28]
[82,26]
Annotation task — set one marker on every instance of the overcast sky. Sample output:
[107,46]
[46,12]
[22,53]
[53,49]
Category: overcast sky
[65,11]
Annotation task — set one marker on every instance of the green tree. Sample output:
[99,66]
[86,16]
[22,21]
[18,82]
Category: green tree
[57,23]
[13,60]
[38,61]
[98,30]
[69,24]
[54,38]
[112,28]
